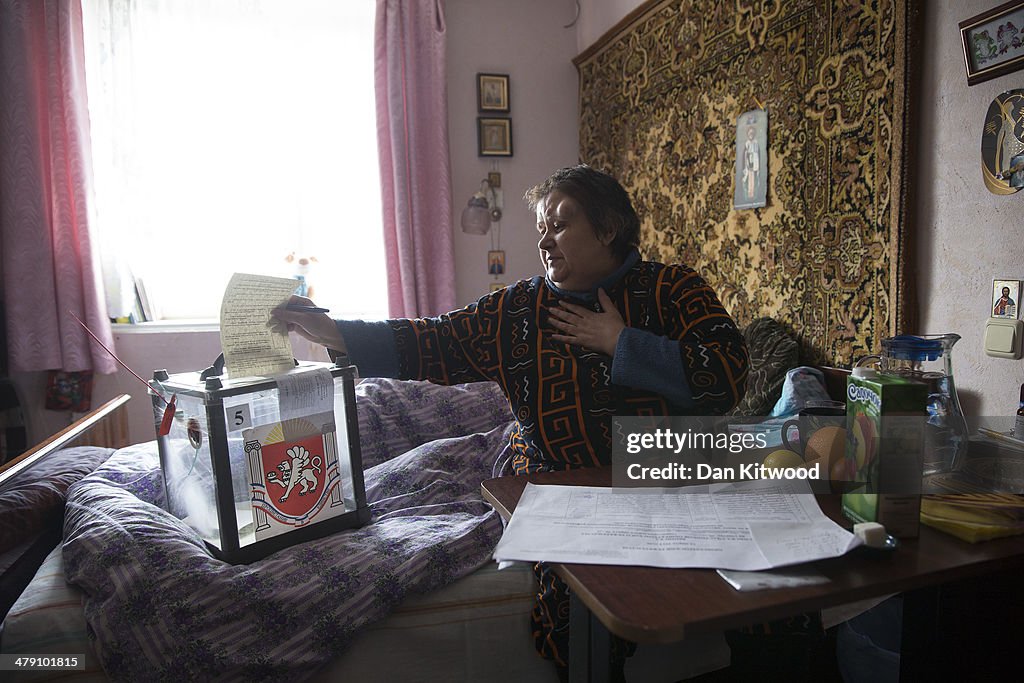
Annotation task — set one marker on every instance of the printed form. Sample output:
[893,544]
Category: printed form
[252,347]
[750,525]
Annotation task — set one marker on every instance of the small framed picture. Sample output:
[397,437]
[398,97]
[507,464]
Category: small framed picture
[492,92]
[494,137]
[497,286]
[496,262]
[751,187]
[1005,298]
[993,42]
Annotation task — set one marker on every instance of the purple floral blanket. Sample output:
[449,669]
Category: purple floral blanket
[160,607]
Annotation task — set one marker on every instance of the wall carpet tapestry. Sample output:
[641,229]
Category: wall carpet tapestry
[659,98]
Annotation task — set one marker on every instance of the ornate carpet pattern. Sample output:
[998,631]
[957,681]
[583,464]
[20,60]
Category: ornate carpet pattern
[659,99]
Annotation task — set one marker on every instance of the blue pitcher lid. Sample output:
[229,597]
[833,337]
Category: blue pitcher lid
[909,347]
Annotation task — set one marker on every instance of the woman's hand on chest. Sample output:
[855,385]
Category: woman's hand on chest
[592,330]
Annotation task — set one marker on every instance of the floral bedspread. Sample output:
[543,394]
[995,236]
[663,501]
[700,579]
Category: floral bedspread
[161,607]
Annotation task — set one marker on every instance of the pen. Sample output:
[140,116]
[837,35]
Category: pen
[299,308]
[1000,436]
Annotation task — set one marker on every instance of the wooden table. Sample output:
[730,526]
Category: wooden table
[650,605]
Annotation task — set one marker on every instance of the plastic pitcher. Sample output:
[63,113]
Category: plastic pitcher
[928,358]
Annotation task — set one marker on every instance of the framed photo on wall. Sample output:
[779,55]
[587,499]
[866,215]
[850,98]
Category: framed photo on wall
[494,137]
[993,42]
[492,92]
[1005,298]
[496,262]
[751,187]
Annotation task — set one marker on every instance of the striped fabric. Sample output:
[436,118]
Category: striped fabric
[473,630]
[396,416]
[48,619]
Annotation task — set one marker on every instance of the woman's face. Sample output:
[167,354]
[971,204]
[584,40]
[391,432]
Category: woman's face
[574,257]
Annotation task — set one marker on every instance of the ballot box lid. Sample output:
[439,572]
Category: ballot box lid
[218,387]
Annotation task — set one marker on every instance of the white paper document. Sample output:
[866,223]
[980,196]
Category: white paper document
[749,525]
[305,392]
[251,347]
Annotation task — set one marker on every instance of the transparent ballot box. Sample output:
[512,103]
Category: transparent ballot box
[258,464]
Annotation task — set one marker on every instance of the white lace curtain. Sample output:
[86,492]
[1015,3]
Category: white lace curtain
[227,135]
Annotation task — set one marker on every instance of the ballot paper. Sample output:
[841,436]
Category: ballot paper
[252,348]
[749,525]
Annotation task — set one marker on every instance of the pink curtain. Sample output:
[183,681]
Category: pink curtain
[49,266]
[412,134]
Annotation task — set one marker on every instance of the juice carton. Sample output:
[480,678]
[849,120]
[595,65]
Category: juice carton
[885,418]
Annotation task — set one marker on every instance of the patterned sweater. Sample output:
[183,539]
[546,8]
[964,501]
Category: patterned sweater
[679,354]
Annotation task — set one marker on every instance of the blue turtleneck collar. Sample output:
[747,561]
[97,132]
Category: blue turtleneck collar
[589,297]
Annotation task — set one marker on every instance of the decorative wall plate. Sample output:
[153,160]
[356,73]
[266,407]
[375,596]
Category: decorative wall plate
[1002,143]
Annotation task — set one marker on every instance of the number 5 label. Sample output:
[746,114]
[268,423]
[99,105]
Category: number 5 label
[238,417]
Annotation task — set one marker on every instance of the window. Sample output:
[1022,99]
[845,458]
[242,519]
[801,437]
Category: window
[227,135]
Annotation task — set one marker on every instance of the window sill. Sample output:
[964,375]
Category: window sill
[162,326]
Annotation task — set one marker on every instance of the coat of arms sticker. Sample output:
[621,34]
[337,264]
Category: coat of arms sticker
[293,474]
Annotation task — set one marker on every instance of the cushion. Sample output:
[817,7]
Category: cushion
[32,514]
[773,351]
[37,495]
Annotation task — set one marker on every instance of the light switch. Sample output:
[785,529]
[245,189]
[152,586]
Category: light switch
[1003,337]
[1000,339]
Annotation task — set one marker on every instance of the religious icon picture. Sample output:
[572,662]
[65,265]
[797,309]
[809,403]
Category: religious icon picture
[492,92]
[496,262]
[494,137]
[751,160]
[497,286]
[1005,298]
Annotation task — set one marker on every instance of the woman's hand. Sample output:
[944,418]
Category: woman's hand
[591,330]
[318,328]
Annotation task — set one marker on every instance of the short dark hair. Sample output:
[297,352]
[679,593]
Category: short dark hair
[603,199]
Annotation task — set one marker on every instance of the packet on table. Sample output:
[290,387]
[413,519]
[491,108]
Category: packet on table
[885,416]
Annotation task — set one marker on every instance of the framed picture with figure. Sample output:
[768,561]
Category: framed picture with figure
[751,189]
[494,137]
[496,262]
[1005,298]
[492,92]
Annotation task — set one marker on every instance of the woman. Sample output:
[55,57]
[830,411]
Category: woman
[602,333]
